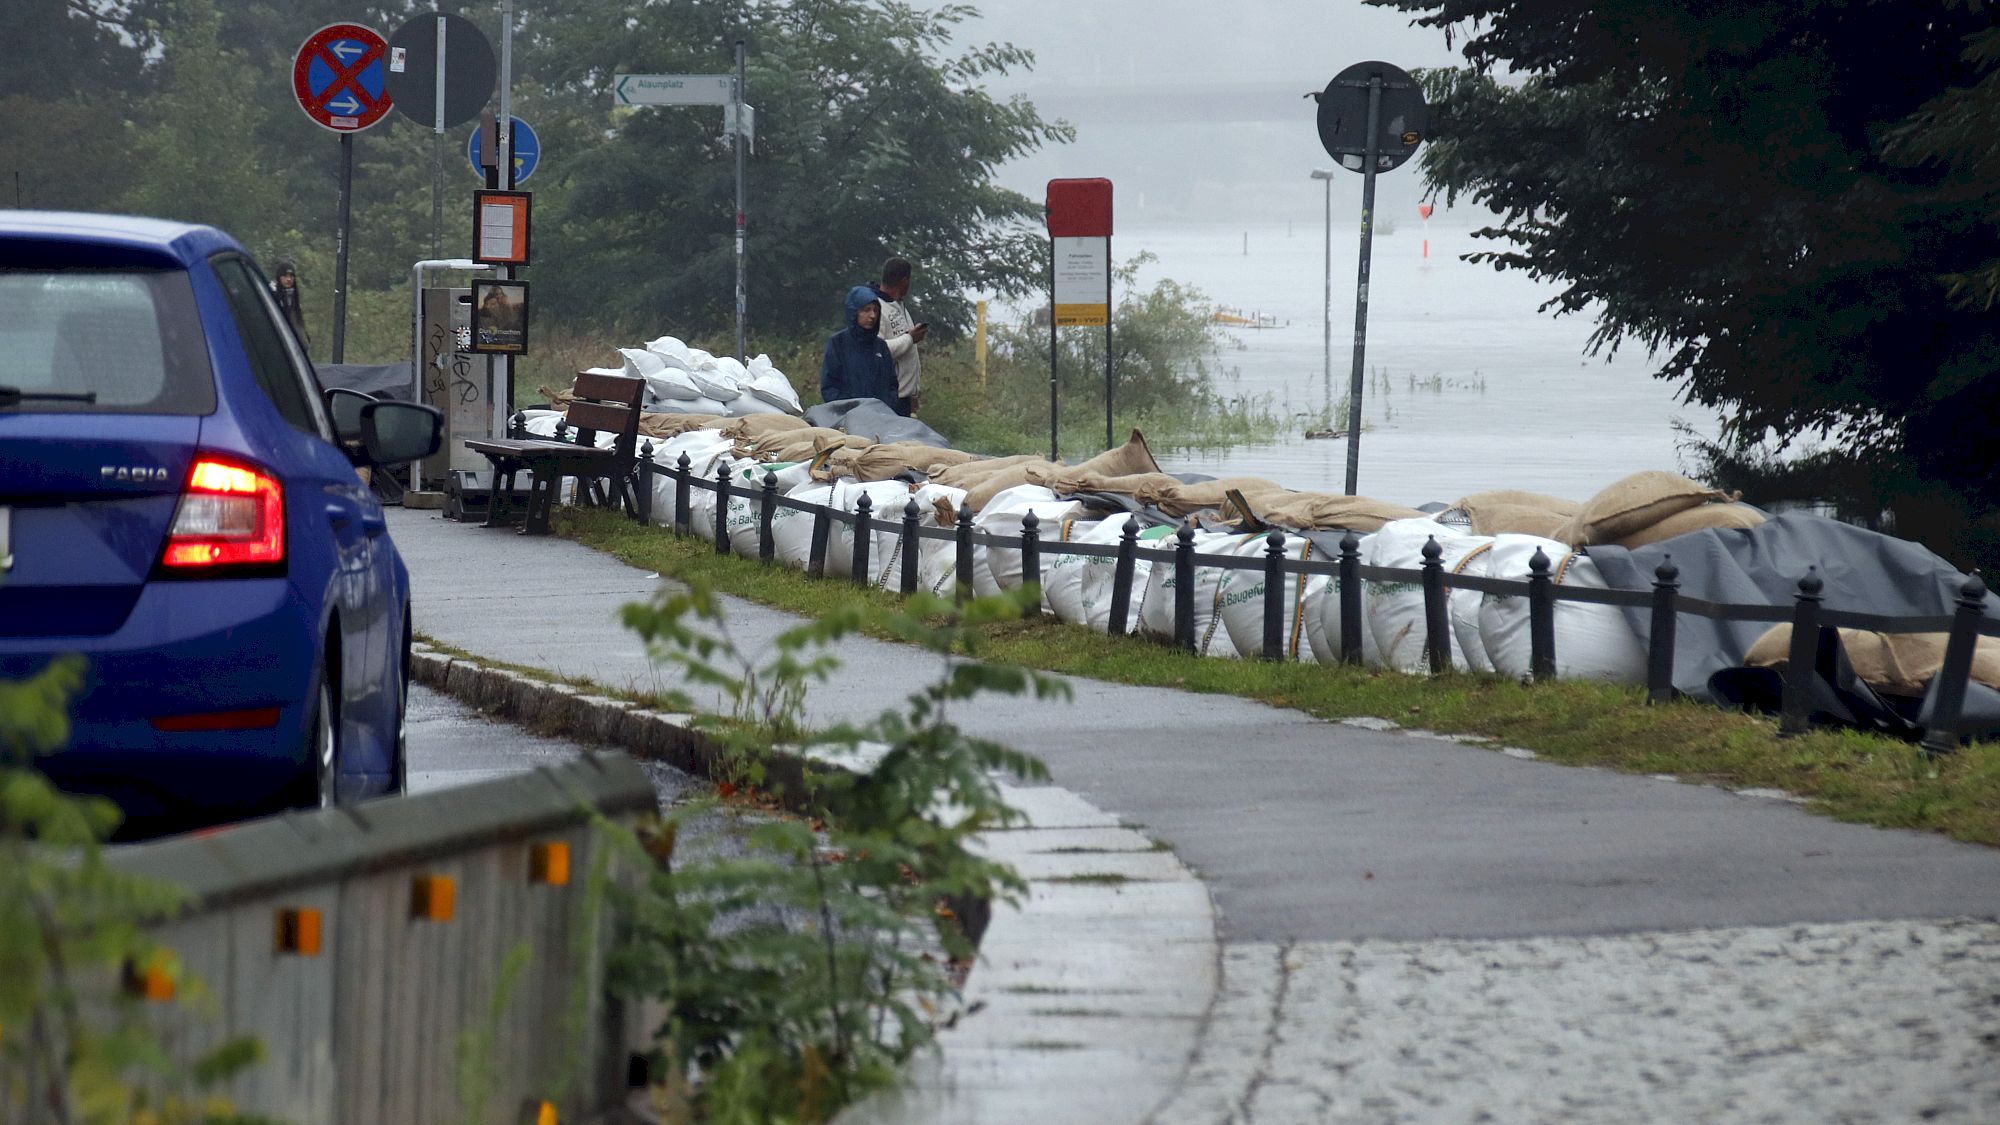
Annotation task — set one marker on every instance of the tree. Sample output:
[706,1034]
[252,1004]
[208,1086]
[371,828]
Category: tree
[872,139]
[1741,189]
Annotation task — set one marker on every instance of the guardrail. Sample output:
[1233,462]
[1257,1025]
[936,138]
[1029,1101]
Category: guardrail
[369,949]
[1665,602]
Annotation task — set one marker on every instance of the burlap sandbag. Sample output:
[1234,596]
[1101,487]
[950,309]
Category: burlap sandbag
[797,445]
[1513,519]
[884,462]
[674,425]
[1069,482]
[1695,519]
[1638,501]
[1326,511]
[1132,457]
[1013,476]
[1180,499]
[755,426]
[1900,664]
[974,472]
[1515,498]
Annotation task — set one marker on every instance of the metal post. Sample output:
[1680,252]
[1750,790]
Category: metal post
[767,544]
[1948,704]
[1054,407]
[437,147]
[1121,577]
[682,472]
[1326,311]
[1437,612]
[863,533]
[1031,561]
[503,393]
[1350,599]
[736,142]
[1361,284]
[1541,619]
[1109,383]
[1274,595]
[1184,588]
[340,245]
[722,505]
[963,564]
[816,552]
[1660,650]
[644,508]
[1803,660]
[908,546]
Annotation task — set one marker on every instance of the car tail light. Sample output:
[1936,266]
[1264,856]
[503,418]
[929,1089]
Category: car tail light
[231,516]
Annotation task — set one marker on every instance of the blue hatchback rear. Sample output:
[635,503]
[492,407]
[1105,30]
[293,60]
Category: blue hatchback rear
[176,507]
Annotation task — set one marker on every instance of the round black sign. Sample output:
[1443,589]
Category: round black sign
[469,69]
[1401,123]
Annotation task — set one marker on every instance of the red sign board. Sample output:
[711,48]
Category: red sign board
[1080,208]
[337,77]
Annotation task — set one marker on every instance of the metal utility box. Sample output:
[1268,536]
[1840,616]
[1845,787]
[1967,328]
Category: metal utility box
[456,381]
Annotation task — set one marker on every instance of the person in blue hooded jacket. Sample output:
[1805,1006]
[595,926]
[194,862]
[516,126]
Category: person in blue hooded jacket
[857,363]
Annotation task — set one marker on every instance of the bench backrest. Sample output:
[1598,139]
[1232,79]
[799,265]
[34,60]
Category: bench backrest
[607,402]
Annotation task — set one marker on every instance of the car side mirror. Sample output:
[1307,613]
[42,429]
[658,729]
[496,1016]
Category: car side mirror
[345,408]
[397,432]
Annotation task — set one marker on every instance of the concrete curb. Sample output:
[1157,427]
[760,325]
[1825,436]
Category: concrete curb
[1090,994]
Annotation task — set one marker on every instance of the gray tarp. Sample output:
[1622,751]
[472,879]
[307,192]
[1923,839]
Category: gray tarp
[383,380]
[870,418]
[1864,571]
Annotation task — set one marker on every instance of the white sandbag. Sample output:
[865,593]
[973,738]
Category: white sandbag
[1156,616]
[640,363]
[713,383]
[937,559]
[1004,564]
[1323,621]
[770,386]
[671,391]
[1396,609]
[1100,581]
[704,449]
[791,530]
[886,498]
[671,351]
[1243,600]
[743,517]
[984,573]
[541,423]
[1063,575]
[1593,642]
[1465,605]
[744,405]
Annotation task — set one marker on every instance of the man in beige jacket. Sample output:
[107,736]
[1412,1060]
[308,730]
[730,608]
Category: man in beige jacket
[901,335]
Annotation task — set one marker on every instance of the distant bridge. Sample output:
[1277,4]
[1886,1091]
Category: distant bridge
[1213,102]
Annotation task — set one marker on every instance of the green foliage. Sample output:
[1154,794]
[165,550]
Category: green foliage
[1778,199]
[69,926]
[786,1016]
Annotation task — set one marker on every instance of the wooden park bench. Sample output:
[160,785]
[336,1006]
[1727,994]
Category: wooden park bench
[608,403]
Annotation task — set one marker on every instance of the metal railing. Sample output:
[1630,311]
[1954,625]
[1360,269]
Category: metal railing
[1807,615]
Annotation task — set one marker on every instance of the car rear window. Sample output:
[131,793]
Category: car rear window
[131,337]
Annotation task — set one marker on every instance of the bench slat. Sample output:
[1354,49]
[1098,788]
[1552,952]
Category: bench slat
[599,416]
[609,388]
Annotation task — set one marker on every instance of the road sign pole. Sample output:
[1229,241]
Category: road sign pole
[737,142]
[437,149]
[1108,384]
[341,242]
[1371,158]
[1054,406]
[503,392]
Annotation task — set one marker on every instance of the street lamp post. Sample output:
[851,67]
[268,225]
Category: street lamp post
[1326,314]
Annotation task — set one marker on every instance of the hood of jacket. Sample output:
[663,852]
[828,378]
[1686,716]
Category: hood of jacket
[856,297]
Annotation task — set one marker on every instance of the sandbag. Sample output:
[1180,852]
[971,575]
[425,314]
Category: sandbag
[1070,481]
[1132,457]
[673,425]
[1593,642]
[1899,664]
[1396,611]
[1179,499]
[1243,600]
[758,426]
[719,379]
[1001,517]
[769,384]
[1326,511]
[750,406]
[702,447]
[1635,502]
[743,517]
[1516,498]
[1323,632]
[971,473]
[1098,577]
[979,495]
[639,363]
[881,462]
[886,498]
[1156,616]
[1513,519]
[937,560]
[671,352]
[1703,518]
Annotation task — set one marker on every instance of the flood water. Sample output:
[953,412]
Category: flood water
[1516,404]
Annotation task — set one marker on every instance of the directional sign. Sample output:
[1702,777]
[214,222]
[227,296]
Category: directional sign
[675,89]
[455,44]
[527,152]
[337,77]
[1401,121]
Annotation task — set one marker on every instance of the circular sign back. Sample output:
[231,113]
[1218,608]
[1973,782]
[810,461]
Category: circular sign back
[337,77]
[470,73]
[1343,116]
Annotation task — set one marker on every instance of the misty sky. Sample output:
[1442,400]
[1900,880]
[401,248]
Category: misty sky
[1203,171]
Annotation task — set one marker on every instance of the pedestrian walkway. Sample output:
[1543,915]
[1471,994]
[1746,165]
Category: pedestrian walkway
[1332,840]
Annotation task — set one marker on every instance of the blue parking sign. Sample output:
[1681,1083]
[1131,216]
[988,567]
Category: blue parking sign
[527,152]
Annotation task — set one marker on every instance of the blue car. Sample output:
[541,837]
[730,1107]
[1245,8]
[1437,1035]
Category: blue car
[179,504]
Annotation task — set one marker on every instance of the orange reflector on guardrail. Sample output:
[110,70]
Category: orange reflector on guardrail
[433,898]
[549,864]
[299,931]
[542,1113]
[151,981]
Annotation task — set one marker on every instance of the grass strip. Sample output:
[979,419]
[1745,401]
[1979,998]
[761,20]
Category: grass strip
[1846,774]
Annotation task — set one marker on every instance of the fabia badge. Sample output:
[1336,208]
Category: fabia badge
[132,474]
